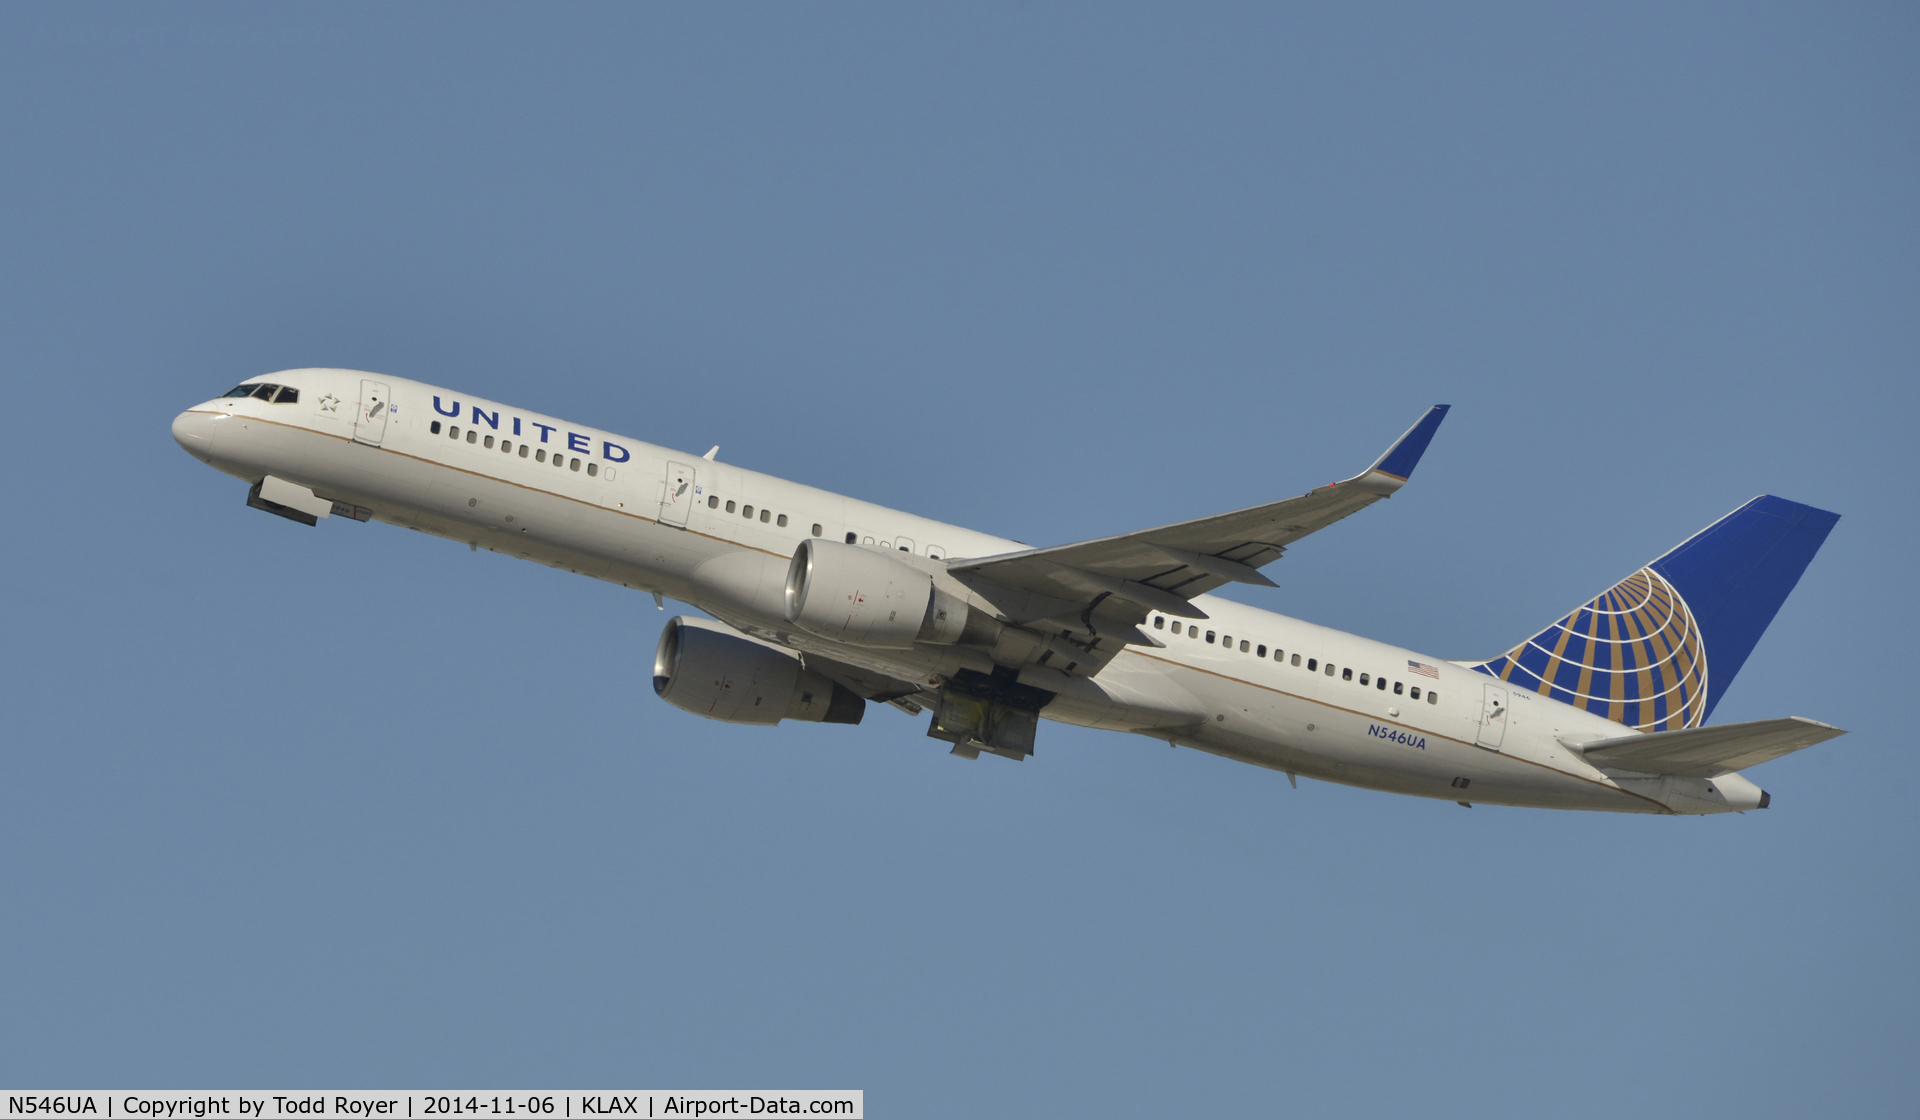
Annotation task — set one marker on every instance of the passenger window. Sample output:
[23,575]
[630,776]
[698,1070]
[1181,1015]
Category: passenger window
[1160,623]
[1226,642]
[903,547]
[1209,637]
[1243,646]
[473,435]
[559,460]
[453,431]
[1194,631]
[488,444]
[1329,670]
[1416,692]
[1345,674]
[523,451]
[713,501]
[1381,684]
[747,512]
[1398,688]
[288,395]
[934,551]
[1176,628]
[850,538]
[264,392]
[1364,680]
[781,521]
[574,465]
[866,540]
[1260,652]
[1311,663]
[816,528]
[593,469]
[506,447]
[730,506]
[765,516]
[434,427]
[540,456]
[1433,697]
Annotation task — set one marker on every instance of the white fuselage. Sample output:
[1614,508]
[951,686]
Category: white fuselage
[646,517]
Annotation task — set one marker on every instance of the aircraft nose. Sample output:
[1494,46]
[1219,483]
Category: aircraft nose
[193,431]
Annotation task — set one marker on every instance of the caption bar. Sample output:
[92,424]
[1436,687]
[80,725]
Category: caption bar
[467,1104]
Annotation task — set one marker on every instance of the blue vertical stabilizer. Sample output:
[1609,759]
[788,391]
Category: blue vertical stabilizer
[1658,649]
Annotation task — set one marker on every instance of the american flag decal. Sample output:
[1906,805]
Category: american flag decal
[1422,669]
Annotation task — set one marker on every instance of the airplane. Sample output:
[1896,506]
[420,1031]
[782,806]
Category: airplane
[820,604]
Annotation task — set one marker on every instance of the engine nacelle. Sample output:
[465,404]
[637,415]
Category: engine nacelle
[868,598]
[704,668]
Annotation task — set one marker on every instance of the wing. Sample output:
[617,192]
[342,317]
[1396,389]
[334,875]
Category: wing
[882,687]
[1707,752]
[1115,581]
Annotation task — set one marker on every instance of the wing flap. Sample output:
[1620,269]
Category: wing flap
[1707,752]
[863,682]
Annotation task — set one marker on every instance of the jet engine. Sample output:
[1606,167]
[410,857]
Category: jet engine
[704,668]
[865,597]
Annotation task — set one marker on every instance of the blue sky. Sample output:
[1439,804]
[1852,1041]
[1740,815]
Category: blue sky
[350,806]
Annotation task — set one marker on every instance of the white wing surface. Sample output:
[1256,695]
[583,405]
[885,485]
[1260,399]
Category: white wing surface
[1105,587]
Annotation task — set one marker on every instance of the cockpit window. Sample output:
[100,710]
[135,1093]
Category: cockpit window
[288,395]
[264,392]
[242,391]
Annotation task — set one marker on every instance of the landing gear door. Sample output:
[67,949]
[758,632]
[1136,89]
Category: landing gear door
[370,423]
[1493,718]
[676,495]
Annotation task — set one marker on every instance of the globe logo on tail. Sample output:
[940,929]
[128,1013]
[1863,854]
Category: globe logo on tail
[1634,655]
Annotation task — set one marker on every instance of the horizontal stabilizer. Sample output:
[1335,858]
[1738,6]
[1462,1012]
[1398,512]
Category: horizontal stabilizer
[1707,752]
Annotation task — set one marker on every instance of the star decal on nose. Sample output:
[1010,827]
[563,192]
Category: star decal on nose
[330,403]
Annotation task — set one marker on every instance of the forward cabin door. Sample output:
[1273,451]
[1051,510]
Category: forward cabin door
[370,423]
[1493,717]
[676,495]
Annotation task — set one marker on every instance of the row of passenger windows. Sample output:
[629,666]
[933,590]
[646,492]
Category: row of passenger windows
[1312,663]
[748,512]
[507,447]
[539,455]
[934,551]
[276,394]
[766,516]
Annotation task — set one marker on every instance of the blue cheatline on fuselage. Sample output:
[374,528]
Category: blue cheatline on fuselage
[1657,650]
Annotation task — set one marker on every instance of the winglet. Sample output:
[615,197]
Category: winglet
[1401,458]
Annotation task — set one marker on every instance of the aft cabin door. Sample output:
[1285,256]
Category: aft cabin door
[370,423]
[676,495]
[1493,717]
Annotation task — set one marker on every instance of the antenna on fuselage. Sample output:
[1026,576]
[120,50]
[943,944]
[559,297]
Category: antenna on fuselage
[715,450]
